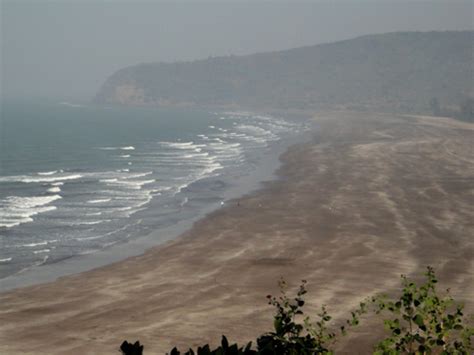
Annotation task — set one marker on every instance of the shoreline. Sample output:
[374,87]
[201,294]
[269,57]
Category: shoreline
[76,264]
[369,197]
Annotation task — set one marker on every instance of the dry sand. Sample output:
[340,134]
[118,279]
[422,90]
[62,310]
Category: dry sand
[369,198]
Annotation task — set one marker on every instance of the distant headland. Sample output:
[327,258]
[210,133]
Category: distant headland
[405,72]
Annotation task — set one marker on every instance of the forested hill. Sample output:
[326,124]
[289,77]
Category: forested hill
[402,72]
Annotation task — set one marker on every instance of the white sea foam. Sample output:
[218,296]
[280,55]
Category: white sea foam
[32,179]
[184,201]
[134,184]
[54,189]
[41,251]
[256,130]
[211,168]
[100,200]
[88,223]
[48,172]
[91,238]
[134,176]
[109,233]
[130,147]
[224,146]
[188,156]
[6,260]
[125,156]
[60,183]
[15,210]
[31,245]
[182,145]
[108,180]
[94,214]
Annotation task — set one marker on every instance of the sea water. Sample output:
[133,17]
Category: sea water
[75,179]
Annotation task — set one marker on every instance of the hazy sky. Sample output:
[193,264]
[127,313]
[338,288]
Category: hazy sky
[66,49]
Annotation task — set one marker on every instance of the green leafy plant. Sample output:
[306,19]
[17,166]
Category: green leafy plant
[290,336]
[423,322]
[294,333]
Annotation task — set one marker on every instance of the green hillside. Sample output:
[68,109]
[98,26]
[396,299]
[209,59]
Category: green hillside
[399,72]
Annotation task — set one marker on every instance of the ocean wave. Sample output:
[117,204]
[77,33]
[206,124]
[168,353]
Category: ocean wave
[94,214]
[89,223]
[256,130]
[184,201]
[54,189]
[125,156]
[32,179]
[134,176]
[41,251]
[127,181]
[15,210]
[224,145]
[32,245]
[9,222]
[178,144]
[211,168]
[100,200]
[182,145]
[48,172]
[108,233]
[6,260]
[130,147]
[196,155]
[109,180]
[135,184]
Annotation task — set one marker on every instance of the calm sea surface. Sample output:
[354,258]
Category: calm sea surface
[75,179]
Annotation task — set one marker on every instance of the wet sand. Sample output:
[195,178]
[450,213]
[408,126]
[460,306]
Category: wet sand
[370,197]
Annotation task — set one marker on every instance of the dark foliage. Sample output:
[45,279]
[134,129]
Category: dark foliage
[223,349]
[131,349]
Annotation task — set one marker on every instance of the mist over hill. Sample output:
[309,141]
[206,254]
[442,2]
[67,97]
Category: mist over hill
[401,72]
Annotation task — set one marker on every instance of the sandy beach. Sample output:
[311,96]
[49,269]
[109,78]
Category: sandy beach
[369,197]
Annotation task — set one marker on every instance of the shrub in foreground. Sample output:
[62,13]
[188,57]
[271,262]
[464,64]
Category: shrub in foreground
[423,322]
[420,322]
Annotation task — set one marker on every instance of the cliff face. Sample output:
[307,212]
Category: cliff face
[396,72]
